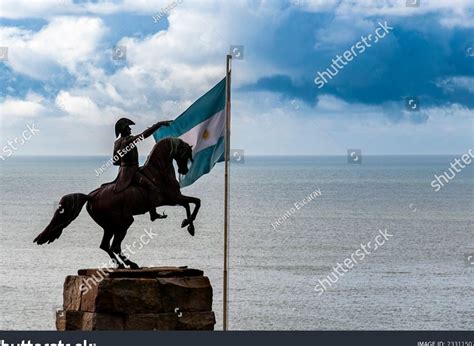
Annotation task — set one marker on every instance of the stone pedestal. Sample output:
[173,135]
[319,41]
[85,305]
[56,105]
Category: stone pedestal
[161,298]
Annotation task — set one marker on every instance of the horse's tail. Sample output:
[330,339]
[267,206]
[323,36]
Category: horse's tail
[70,207]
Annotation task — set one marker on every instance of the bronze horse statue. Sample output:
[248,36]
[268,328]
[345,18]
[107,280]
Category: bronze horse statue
[114,211]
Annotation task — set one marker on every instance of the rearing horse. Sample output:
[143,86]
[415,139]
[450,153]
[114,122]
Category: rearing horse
[114,211]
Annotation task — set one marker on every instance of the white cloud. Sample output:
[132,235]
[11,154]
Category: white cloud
[14,110]
[453,13]
[264,124]
[64,43]
[85,110]
[17,9]
[178,64]
[458,82]
[166,71]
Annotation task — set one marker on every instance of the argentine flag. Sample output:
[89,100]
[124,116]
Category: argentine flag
[202,125]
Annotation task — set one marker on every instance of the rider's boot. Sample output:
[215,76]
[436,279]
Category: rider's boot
[154,215]
[152,190]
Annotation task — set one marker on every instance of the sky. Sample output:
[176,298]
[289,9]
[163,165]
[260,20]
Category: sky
[61,74]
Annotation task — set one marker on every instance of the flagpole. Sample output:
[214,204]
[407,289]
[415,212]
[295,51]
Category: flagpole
[226,189]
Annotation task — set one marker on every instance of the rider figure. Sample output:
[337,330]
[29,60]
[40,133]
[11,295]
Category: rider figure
[126,156]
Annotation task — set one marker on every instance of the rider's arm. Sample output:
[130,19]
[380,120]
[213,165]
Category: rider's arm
[149,131]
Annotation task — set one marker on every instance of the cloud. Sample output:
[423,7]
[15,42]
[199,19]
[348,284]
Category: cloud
[453,84]
[265,124]
[65,42]
[16,9]
[457,13]
[409,61]
[277,107]
[178,64]
[14,110]
[85,110]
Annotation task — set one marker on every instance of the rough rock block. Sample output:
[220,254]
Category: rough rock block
[123,296]
[162,298]
[80,320]
[187,294]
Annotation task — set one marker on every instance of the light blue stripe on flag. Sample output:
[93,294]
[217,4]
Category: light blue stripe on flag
[204,160]
[202,126]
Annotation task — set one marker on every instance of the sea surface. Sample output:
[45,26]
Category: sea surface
[419,278]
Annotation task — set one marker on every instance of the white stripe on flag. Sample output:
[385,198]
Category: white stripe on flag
[207,133]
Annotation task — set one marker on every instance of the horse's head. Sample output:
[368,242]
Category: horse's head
[182,153]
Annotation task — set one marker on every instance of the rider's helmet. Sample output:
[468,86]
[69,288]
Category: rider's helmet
[121,125]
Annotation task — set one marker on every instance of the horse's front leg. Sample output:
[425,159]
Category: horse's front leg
[188,215]
[185,201]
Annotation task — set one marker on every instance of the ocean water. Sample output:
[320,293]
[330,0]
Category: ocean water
[419,279]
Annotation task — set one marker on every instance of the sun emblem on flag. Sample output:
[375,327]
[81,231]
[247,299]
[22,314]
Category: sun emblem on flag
[205,134]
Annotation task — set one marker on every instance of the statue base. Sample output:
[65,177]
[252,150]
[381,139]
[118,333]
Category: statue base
[158,298]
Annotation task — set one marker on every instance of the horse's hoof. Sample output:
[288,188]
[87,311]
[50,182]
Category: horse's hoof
[118,265]
[134,266]
[184,223]
[158,216]
[191,229]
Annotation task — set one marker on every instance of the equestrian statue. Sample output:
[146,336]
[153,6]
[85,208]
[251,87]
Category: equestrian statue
[135,191]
